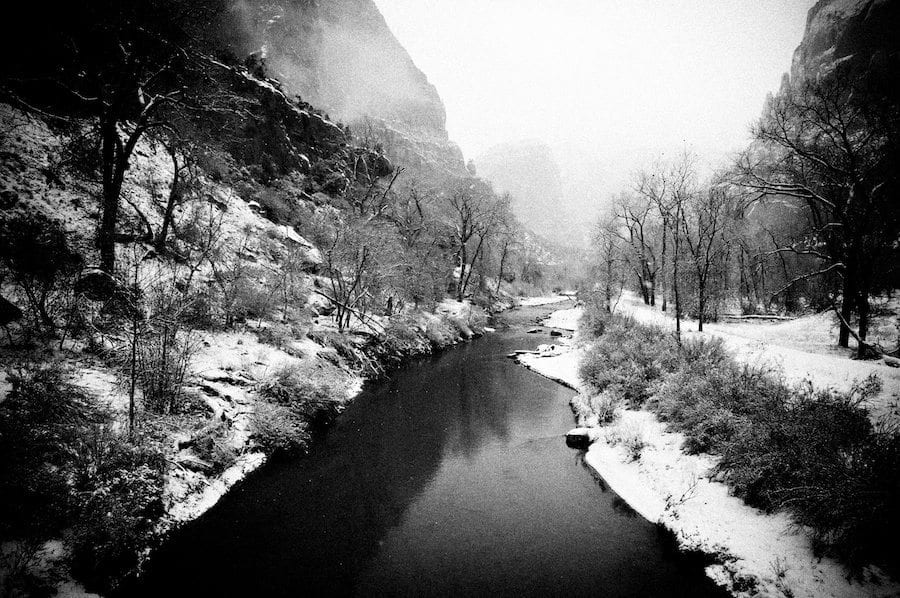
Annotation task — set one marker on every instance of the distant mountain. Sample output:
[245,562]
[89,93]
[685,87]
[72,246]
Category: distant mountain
[542,199]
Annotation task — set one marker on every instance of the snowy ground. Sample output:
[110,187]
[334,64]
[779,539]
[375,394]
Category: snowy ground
[535,301]
[800,349]
[644,465]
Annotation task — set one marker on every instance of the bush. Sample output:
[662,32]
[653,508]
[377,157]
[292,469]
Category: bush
[629,359]
[277,430]
[214,449]
[401,339]
[315,401]
[604,406]
[65,468]
[594,320]
[35,251]
[121,504]
[818,455]
[163,360]
[630,437]
[43,422]
[439,333]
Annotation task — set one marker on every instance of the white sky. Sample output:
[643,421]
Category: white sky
[600,79]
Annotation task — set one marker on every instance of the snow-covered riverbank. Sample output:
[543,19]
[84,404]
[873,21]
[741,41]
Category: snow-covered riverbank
[759,554]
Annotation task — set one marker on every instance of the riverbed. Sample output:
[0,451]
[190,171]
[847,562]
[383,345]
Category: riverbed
[450,478]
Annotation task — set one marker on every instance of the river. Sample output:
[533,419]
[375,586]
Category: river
[451,478]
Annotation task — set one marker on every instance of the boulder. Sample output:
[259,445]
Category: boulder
[579,438]
[9,312]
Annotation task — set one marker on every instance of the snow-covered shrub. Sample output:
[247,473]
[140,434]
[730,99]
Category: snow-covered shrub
[121,504]
[630,436]
[710,397]
[594,319]
[401,339]
[277,430]
[213,448]
[629,359]
[305,391]
[818,455]
[65,468]
[439,333]
[42,422]
[604,406]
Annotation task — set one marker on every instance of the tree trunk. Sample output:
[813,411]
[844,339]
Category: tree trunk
[862,307]
[677,240]
[663,264]
[502,263]
[106,236]
[701,303]
[174,196]
[846,309]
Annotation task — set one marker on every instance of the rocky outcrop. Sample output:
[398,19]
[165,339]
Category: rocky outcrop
[341,57]
[858,34]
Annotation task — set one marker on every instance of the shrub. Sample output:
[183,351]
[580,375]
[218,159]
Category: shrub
[214,449]
[277,430]
[42,422]
[312,399]
[121,503]
[401,339]
[35,251]
[629,436]
[604,406]
[818,455]
[594,320]
[439,333]
[65,468]
[629,359]
[163,360]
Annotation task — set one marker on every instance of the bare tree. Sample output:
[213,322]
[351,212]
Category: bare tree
[639,231]
[473,215]
[704,223]
[612,261]
[830,146]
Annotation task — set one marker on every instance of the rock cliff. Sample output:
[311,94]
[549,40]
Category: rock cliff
[341,56]
[860,34]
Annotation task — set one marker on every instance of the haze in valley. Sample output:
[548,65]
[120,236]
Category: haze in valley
[605,86]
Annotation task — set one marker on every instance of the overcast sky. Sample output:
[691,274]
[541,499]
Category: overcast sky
[611,78]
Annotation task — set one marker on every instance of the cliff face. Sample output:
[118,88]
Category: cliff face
[341,56]
[859,34]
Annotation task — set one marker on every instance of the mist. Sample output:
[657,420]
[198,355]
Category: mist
[607,85]
[334,55]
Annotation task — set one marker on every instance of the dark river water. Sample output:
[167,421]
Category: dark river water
[450,479]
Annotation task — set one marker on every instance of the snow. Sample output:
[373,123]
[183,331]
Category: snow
[667,486]
[565,319]
[801,349]
[190,495]
[536,301]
